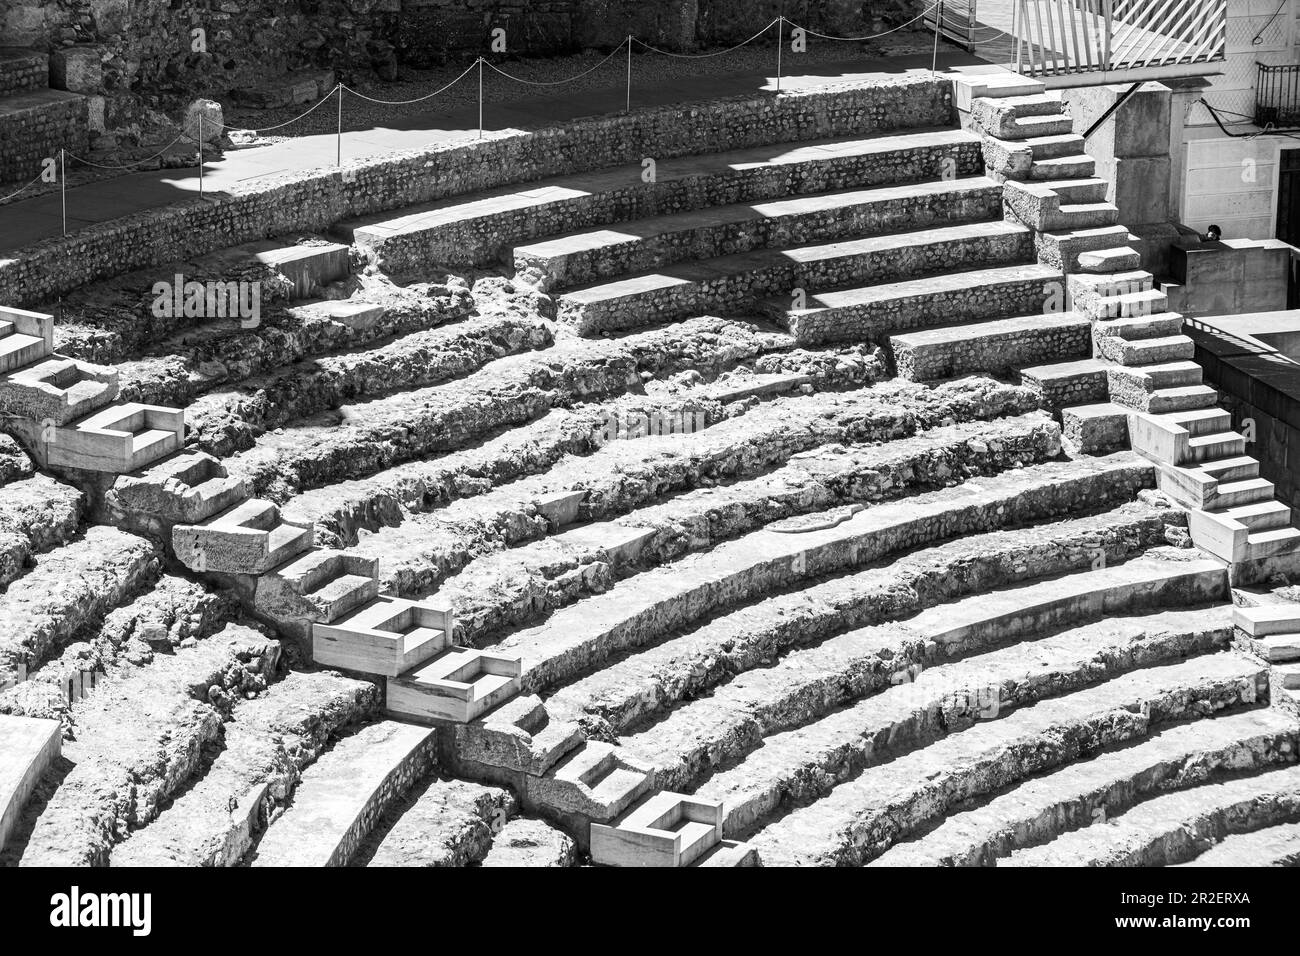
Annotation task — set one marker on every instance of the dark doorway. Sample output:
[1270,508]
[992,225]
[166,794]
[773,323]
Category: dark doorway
[1288,214]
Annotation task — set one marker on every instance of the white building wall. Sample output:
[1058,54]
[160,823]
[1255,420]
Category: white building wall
[1232,182]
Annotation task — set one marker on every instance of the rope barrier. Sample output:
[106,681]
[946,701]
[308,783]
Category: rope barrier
[4,199]
[570,79]
[469,69]
[705,56]
[267,129]
[873,36]
[138,162]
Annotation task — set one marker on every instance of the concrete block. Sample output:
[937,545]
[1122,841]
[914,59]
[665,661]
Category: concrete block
[250,538]
[387,636]
[77,69]
[519,735]
[669,829]
[458,685]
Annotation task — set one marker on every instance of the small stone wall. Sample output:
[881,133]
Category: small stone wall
[33,126]
[315,200]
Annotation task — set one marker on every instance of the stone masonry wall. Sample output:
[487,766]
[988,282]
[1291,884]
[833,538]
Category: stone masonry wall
[34,133]
[315,200]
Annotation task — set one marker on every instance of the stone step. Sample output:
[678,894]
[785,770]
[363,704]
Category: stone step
[1266,619]
[1090,215]
[1037,127]
[319,587]
[732,282]
[1155,351]
[386,636]
[1289,675]
[308,267]
[1264,544]
[28,747]
[67,589]
[1063,384]
[635,610]
[525,842]
[994,347]
[1151,377]
[988,111]
[1054,146]
[1173,828]
[18,350]
[996,85]
[475,230]
[124,437]
[249,538]
[1088,190]
[1200,421]
[1234,494]
[868,312]
[1071,165]
[1205,448]
[1038,810]
[864,816]
[57,389]
[458,684]
[645,244]
[1231,469]
[1062,249]
[1119,259]
[342,795]
[629,691]
[449,824]
[595,783]
[1281,648]
[1183,398]
[1258,516]
[1130,304]
[1160,325]
[807,684]
[664,830]
[1097,429]
[1271,846]
[22,70]
[265,746]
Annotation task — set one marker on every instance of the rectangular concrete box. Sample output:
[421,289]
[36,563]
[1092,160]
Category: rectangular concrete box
[388,636]
[250,538]
[458,685]
[118,439]
[669,829]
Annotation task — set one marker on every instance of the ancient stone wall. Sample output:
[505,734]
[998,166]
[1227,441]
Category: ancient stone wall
[314,200]
[34,132]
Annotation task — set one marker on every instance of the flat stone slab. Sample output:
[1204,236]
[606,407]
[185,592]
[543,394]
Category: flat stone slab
[342,794]
[27,747]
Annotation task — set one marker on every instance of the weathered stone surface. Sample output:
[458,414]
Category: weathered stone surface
[524,842]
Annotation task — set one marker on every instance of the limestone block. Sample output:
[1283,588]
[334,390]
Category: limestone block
[386,636]
[57,390]
[322,585]
[458,685]
[669,829]
[204,117]
[183,489]
[518,735]
[250,538]
[597,781]
[77,69]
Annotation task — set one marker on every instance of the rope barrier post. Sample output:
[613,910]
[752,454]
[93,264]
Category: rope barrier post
[628,107]
[934,62]
[780,42]
[480,97]
[200,154]
[338,140]
[63,186]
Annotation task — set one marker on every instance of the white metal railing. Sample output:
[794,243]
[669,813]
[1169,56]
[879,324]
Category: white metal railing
[1076,36]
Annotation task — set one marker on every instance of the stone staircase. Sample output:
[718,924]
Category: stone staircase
[35,121]
[1152,385]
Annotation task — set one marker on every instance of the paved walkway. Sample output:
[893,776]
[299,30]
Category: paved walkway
[26,221]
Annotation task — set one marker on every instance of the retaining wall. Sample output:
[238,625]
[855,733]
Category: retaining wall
[316,199]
